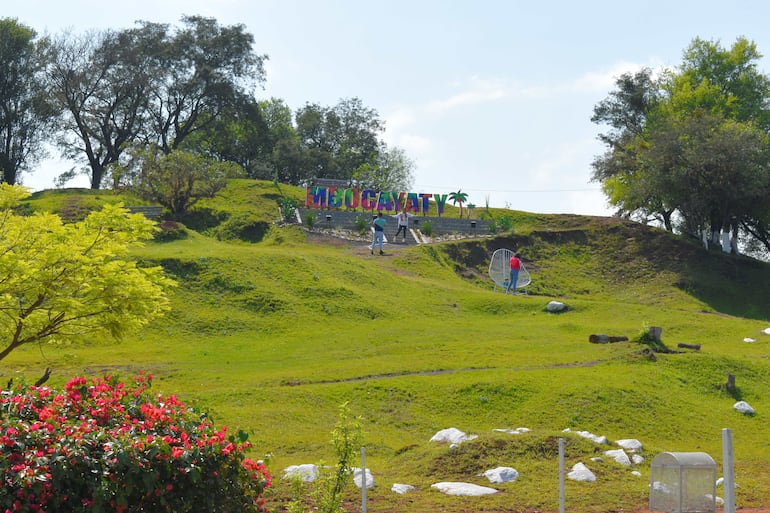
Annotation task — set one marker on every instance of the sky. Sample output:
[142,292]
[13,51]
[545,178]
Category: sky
[490,97]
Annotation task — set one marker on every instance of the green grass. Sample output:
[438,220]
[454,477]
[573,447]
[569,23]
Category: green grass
[272,336]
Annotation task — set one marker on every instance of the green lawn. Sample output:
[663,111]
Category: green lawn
[271,337]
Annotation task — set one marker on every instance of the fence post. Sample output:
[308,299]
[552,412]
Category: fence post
[363,479]
[729,475]
[561,475]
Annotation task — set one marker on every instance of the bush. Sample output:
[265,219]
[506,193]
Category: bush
[243,226]
[505,223]
[427,228]
[310,220]
[362,224]
[110,446]
[170,230]
[287,206]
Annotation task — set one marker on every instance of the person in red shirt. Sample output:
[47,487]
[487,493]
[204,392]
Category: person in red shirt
[515,267]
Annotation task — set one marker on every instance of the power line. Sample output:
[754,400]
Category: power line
[594,189]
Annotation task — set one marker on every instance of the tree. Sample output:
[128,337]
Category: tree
[335,142]
[25,116]
[691,146]
[180,179]
[61,281]
[204,70]
[102,82]
[392,171]
[147,84]
[458,197]
[239,135]
[286,155]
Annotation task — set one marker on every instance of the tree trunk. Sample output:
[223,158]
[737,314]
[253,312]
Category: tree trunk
[97,173]
[734,238]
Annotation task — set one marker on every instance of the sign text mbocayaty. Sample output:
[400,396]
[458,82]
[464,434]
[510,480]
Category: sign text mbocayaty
[368,199]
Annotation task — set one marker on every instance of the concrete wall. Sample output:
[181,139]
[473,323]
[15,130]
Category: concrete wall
[440,225]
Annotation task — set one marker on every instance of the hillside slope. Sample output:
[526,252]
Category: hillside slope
[272,336]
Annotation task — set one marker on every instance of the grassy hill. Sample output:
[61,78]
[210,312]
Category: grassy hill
[273,329]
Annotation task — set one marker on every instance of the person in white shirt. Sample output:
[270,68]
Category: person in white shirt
[403,223]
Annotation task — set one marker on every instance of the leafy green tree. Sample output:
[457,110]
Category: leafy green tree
[393,171]
[25,116]
[691,146]
[286,154]
[239,135]
[63,280]
[204,71]
[458,197]
[335,142]
[180,179]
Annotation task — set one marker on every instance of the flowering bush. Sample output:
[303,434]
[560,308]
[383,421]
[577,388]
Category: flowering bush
[112,447]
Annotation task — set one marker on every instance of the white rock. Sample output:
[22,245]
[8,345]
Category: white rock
[637,459]
[662,488]
[749,339]
[306,472]
[555,306]
[597,459]
[744,407]
[594,438]
[719,501]
[358,478]
[401,488]
[721,481]
[502,475]
[581,473]
[630,444]
[467,489]
[620,456]
[452,435]
[766,331]
[636,473]
[516,431]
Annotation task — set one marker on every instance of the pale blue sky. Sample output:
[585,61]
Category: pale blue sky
[491,97]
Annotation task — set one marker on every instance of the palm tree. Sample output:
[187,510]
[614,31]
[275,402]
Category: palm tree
[458,197]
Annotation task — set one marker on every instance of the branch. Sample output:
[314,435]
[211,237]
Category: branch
[44,377]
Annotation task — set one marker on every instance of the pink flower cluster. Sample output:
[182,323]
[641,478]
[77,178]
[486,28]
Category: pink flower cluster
[108,446]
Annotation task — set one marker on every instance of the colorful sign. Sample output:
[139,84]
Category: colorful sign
[319,196]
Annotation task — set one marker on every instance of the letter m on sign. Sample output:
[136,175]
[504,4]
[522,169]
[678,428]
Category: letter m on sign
[316,196]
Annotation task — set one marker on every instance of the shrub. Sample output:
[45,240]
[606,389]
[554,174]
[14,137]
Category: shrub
[645,337]
[427,228]
[327,493]
[170,230]
[245,226]
[287,206]
[492,225]
[310,220]
[505,223]
[110,446]
[361,224]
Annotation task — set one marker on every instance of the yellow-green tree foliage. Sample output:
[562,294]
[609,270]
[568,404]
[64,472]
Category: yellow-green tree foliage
[59,281]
